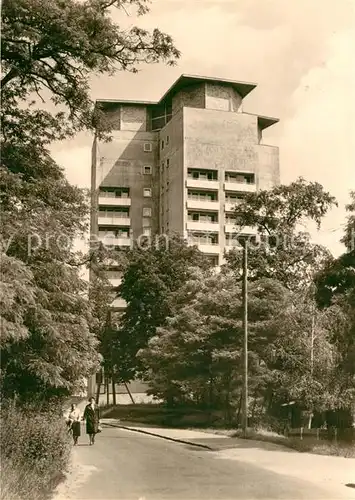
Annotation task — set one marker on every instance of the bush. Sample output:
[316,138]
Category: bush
[35,452]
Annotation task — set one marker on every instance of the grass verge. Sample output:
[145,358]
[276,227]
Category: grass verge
[306,445]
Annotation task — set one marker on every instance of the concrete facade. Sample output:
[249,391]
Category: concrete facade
[180,165]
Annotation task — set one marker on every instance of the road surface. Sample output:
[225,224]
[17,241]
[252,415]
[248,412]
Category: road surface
[124,465]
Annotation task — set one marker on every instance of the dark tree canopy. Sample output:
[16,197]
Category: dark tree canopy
[149,282]
[51,47]
[49,50]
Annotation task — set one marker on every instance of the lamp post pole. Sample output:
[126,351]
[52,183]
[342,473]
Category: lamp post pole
[245,339]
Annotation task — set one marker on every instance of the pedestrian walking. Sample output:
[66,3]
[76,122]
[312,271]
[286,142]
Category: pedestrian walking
[92,417]
[74,419]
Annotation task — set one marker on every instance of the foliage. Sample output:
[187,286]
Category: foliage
[34,451]
[152,275]
[196,355]
[335,292]
[284,207]
[46,344]
[281,251]
[51,47]
[349,236]
[49,50]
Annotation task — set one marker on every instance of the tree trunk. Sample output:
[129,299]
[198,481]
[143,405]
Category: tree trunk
[239,407]
[253,410]
[113,389]
[107,384]
[129,392]
[98,388]
[310,419]
[227,413]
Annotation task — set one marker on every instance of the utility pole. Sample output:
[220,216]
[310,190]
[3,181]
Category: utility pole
[313,326]
[245,330]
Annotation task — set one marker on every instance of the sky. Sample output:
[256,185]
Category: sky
[301,55]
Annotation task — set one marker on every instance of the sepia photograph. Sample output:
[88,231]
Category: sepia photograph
[177,250]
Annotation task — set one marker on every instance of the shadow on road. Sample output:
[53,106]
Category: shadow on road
[217,444]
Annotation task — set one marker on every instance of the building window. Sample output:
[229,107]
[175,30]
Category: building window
[204,239]
[202,196]
[240,178]
[230,219]
[203,217]
[147,192]
[234,198]
[162,144]
[146,222]
[147,212]
[147,231]
[147,147]
[167,140]
[114,212]
[114,192]
[167,163]
[203,175]
[112,274]
[214,260]
[147,169]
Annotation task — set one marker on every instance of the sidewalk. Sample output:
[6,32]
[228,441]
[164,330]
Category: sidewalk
[330,472]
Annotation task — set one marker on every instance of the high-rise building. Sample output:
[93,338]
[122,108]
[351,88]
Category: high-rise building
[180,165]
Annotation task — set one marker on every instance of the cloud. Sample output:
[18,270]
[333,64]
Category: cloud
[76,162]
[318,140]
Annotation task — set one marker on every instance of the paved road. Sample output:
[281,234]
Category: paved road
[124,465]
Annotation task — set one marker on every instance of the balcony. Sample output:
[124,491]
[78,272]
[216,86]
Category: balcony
[193,225]
[115,282]
[231,228]
[202,184]
[115,220]
[109,201]
[209,248]
[119,303]
[111,241]
[229,206]
[202,204]
[239,187]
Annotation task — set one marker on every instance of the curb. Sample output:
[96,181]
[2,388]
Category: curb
[175,440]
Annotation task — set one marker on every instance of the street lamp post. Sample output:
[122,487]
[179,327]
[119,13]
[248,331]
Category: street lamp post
[245,339]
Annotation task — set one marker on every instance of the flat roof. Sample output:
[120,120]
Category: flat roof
[266,121]
[125,101]
[243,88]
[184,80]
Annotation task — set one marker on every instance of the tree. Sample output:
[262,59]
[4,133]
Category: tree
[196,355]
[51,47]
[349,236]
[151,277]
[48,346]
[335,294]
[49,50]
[282,251]
[303,360]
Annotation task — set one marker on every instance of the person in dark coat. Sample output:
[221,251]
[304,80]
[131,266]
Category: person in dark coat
[92,417]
